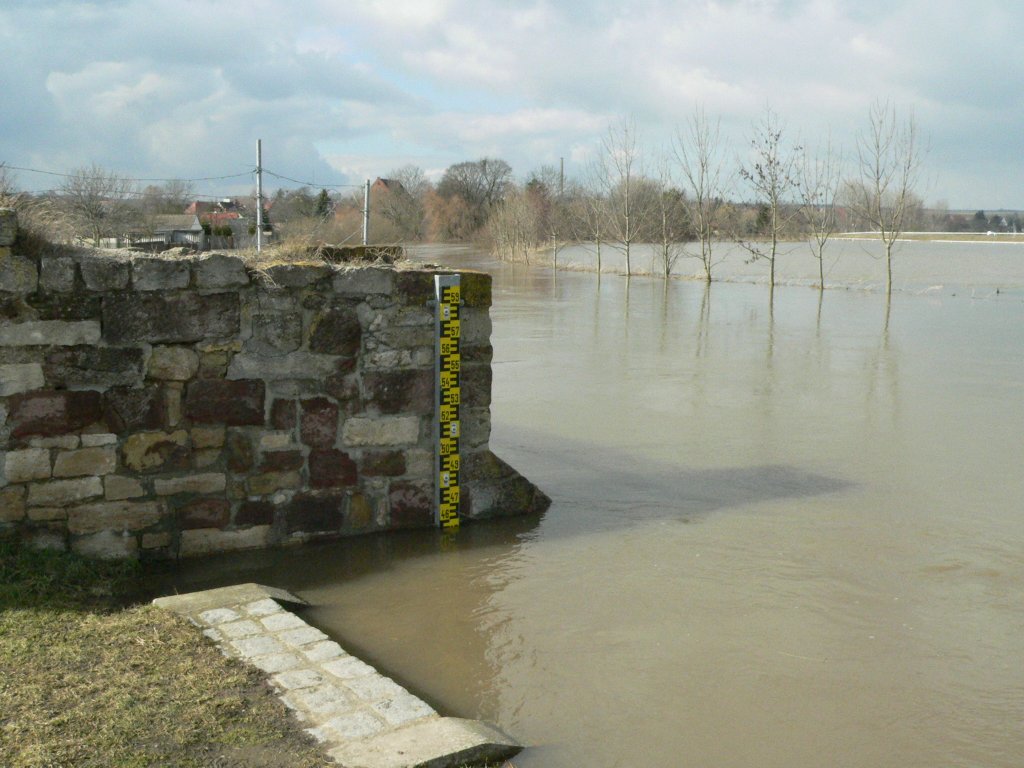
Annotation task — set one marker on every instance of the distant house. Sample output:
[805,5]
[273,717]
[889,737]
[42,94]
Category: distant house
[386,185]
[159,232]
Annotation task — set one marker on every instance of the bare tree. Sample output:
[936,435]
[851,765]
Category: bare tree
[772,176]
[819,181]
[8,188]
[98,202]
[620,175]
[889,156]
[698,150]
[670,225]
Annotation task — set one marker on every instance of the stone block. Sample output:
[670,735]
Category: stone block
[363,281]
[298,365]
[310,513]
[208,437]
[70,306]
[475,383]
[158,540]
[106,545]
[204,541]
[104,274]
[219,270]
[175,318]
[399,391]
[57,493]
[240,454]
[205,513]
[130,409]
[12,504]
[64,442]
[296,275]
[476,327]
[114,516]
[254,513]
[147,451]
[18,274]
[331,469]
[53,412]
[284,414]
[154,274]
[275,334]
[45,333]
[411,505]
[101,438]
[8,226]
[360,511]
[204,458]
[90,366]
[281,461]
[213,365]
[118,488]
[318,425]
[414,287]
[336,331]
[271,482]
[47,514]
[213,482]
[85,461]
[218,401]
[382,463]
[275,441]
[381,431]
[173,363]
[20,377]
[57,274]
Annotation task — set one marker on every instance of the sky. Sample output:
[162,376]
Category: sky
[340,92]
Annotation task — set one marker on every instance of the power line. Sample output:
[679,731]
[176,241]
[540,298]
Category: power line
[128,178]
[312,183]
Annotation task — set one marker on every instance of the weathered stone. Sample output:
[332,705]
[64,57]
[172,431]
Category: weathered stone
[309,513]
[413,287]
[36,333]
[128,409]
[8,226]
[475,384]
[382,431]
[476,327]
[419,463]
[219,270]
[172,403]
[102,274]
[101,438]
[60,492]
[158,540]
[154,274]
[57,273]
[106,545]
[254,513]
[25,465]
[213,482]
[361,281]
[18,274]
[294,365]
[64,442]
[48,413]
[156,318]
[203,541]
[296,275]
[411,505]
[47,514]
[73,306]
[156,450]
[205,513]
[118,488]
[270,482]
[336,332]
[114,516]
[401,391]
[85,461]
[275,441]
[331,469]
[239,452]
[217,401]
[281,461]
[275,334]
[481,353]
[319,423]
[173,363]
[205,457]
[383,463]
[208,437]
[90,366]
[284,414]
[12,504]
[20,377]
[360,511]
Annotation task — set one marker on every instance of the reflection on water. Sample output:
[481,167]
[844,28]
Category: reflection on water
[781,535]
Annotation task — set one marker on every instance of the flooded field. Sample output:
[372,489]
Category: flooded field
[787,535]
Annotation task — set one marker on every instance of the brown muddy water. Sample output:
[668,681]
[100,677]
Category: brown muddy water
[783,536]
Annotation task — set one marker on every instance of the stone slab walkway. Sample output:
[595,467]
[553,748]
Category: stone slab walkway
[362,718]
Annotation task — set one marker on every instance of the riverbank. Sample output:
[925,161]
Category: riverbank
[89,678]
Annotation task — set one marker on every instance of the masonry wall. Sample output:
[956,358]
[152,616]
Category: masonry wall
[166,407]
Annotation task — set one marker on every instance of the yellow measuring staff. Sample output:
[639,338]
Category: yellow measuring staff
[448,425]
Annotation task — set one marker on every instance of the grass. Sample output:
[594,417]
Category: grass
[87,679]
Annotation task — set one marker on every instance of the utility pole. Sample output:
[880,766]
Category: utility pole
[366,213]
[259,195]
[561,176]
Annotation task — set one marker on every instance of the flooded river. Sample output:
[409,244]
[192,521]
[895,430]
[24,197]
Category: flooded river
[787,535]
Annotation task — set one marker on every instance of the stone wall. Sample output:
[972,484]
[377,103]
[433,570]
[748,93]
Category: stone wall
[174,406]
